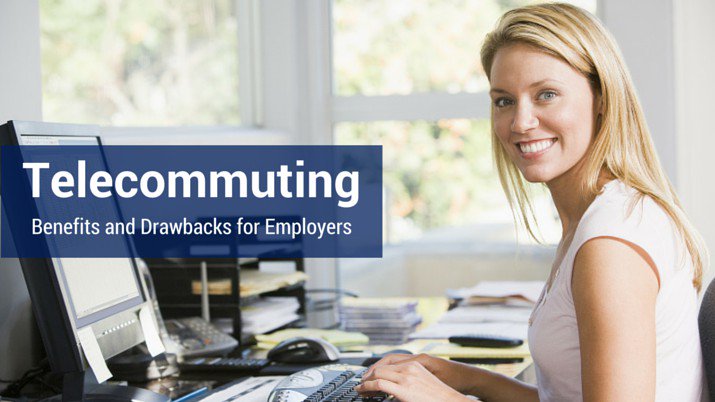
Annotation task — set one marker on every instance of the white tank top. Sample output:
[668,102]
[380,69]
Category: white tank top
[553,334]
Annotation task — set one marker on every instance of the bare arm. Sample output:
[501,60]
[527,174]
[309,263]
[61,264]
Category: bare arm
[492,387]
[466,379]
[615,285]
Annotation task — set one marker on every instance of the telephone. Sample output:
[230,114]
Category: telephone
[195,336]
[187,337]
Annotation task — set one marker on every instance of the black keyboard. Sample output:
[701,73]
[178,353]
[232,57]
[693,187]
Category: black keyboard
[331,383]
[214,364]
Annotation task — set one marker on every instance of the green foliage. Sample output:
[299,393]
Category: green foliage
[437,174]
[399,47]
[151,62]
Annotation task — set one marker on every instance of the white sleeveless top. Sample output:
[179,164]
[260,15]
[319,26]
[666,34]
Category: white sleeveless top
[553,334]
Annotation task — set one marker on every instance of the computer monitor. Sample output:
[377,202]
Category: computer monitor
[71,294]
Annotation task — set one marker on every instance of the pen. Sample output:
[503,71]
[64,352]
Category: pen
[487,360]
[191,394]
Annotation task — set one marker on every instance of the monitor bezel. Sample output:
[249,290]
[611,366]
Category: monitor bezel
[54,311]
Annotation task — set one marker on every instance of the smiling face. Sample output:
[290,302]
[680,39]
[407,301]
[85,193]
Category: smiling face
[543,112]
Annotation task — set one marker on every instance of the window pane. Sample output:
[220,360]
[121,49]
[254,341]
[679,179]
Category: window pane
[150,62]
[439,175]
[384,47]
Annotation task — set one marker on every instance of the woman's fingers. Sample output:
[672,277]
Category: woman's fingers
[388,360]
[407,381]
[391,373]
[378,385]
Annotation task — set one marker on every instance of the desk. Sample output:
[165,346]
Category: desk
[431,309]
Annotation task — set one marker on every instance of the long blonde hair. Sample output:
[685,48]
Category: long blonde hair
[622,145]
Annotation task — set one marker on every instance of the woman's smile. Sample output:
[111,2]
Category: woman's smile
[535,148]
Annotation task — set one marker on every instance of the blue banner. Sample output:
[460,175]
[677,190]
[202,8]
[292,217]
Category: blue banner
[191,201]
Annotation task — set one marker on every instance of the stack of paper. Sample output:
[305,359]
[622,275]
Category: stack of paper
[269,313]
[488,309]
[340,339]
[441,330]
[255,282]
[452,350]
[490,313]
[509,292]
[386,321]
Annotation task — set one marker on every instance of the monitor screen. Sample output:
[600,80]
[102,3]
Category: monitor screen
[113,284]
[96,287]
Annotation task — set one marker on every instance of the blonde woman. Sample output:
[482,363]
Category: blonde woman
[617,320]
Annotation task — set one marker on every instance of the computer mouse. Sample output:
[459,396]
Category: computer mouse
[304,350]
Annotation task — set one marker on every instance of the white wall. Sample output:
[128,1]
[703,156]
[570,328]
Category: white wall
[668,45]
[295,85]
[20,80]
[695,101]
[21,99]
[644,32]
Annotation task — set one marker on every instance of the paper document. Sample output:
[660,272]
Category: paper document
[93,354]
[529,290]
[445,330]
[151,333]
[269,314]
[255,282]
[336,337]
[452,350]
[253,389]
[492,313]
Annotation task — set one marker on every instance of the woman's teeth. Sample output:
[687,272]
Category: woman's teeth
[536,146]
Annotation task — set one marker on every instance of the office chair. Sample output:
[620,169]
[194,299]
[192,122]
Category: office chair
[706,324]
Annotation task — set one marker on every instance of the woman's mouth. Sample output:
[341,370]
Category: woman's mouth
[536,148]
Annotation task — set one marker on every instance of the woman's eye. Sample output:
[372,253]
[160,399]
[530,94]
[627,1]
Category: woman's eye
[547,95]
[502,102]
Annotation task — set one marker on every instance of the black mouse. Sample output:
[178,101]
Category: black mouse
[304,350]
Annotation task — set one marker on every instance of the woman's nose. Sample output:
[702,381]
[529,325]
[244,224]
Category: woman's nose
[524,119]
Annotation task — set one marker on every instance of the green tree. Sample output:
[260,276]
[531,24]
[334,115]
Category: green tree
[152,62]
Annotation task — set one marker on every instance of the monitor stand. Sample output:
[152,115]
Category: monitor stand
[75,389]
[143,367]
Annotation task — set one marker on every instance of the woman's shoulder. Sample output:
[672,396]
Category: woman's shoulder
[622,212]
[622,206]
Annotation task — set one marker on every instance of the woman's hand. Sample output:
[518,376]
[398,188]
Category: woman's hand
[455,375]
[408,380]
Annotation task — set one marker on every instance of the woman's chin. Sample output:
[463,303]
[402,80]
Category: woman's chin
[536,176]
[535,180]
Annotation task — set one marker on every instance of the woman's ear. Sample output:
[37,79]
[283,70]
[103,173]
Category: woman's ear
[598,105]
[598,111]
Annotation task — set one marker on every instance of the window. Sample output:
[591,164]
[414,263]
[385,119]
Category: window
[407,75]
[435,172]
[140,63]
[389,47]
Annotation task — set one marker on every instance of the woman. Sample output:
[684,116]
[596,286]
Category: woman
[617,320]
